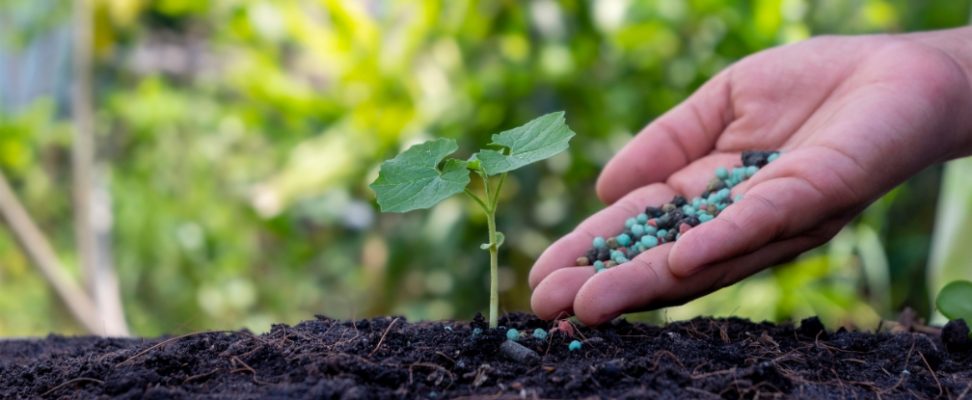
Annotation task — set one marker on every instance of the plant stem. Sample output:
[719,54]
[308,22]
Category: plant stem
[489,207]
[479,201]
[493,269]
[499,186]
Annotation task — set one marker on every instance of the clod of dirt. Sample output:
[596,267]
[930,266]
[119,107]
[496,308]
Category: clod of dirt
[812,328]
[955,335]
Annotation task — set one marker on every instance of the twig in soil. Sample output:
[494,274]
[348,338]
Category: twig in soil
[695,370]
[75,380]
[843,388]
[910,352]
[930,341]
[357,333]
[694,332]
[443,355]
[933,374]
[702,392]
[901,378]
[382,340]
[245,367]
[165,342]
[714,373]
[411,368]
[658,356]
[200,376]
[723,333]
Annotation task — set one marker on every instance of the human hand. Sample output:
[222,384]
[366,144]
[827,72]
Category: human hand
[853,117]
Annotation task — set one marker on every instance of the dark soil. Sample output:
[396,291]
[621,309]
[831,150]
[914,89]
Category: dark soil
[389,358]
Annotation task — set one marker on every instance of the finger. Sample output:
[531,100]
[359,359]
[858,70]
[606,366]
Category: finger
[607,222]
[554,296]
[647,283]
[616,290]
[791,195]
[672,141]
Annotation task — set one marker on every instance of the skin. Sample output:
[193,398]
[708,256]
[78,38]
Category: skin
[853,116]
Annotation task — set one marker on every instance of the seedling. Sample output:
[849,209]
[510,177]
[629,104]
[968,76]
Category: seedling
[955,300]
[422,176]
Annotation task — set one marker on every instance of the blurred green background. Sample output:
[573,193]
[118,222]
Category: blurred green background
[235,139]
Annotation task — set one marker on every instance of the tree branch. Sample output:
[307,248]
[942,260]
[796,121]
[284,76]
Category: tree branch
[35,246]
[98,273]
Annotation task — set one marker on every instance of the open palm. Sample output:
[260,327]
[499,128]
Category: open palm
[853,117]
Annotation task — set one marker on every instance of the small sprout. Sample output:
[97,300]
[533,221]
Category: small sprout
[423,176]
[513,334]
[540,334]
[574,345]
[955,300]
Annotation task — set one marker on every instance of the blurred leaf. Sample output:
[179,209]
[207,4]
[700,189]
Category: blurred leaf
[955,300]
[500,238]
[951,256]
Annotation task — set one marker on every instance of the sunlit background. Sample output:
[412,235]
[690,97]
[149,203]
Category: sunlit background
[232,142]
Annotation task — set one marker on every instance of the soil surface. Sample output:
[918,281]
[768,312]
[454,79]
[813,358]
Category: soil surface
[390,358]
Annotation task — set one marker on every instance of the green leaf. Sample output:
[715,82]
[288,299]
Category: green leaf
[955,300]
[412,180]
[500,238]
[536,140]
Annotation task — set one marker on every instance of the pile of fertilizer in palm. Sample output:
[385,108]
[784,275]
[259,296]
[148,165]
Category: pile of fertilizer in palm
[668,222]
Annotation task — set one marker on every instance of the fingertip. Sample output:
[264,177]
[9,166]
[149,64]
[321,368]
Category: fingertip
[593,311]
[560,254]
[687,255]
[627,287]
[595,319]
[554,295]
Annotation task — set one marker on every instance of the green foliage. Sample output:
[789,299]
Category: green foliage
[955,300]
[537,140]
[412,180]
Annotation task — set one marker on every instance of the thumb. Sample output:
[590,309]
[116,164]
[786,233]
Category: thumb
[791,197]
